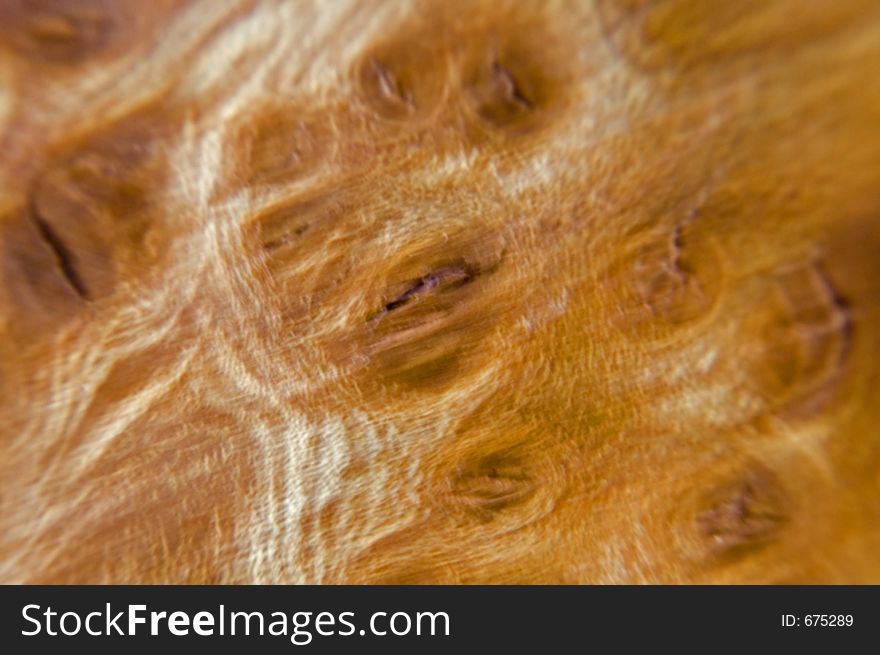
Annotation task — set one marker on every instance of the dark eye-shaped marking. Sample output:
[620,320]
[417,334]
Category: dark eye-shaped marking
[743,515]
[507,489]
[516,78]
[421,332]
[32,264]
[423,325]
[492,484]
[389,89]
[446,277]
[497,96]
[667,277]
[62,254]
[88,218]
[405,79]
[90,209]
[661,278]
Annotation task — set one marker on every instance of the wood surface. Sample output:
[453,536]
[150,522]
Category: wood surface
[504,291]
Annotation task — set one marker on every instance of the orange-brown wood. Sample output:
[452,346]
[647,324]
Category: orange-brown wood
[504,291]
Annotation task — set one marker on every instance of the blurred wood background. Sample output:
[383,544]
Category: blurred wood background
[440,292]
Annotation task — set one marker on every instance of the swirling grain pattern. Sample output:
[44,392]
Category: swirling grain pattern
[501,291]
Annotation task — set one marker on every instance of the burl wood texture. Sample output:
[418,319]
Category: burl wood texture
[440,291]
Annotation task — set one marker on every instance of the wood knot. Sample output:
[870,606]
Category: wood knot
[282,144]
[93,209]
[804,342]
[743,515]
[405,79]
[61,31]
[428,324]
[494,483]
[497,96]
[69,33]
[670,277]
[507,489]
